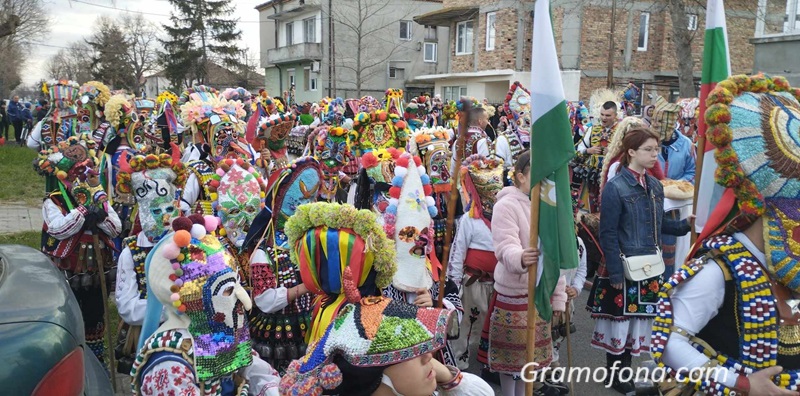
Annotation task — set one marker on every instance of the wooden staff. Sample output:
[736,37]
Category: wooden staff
[536,192]
[568,319]
[452,200]
[104,289]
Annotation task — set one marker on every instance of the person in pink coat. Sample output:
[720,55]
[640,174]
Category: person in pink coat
[503,341]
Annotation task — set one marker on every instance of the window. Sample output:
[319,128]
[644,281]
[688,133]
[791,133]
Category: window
[430,33]
[396,73]
[313,84]
[290,72]
[430,52]
[692,21]
[310,30]
[464,38]
[453,93]
[405,30]
[490,31]
[289,33]
[307,78]
[644,31]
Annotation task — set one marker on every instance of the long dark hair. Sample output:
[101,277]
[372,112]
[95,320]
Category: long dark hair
[522,165]
[634,139]
[356,381]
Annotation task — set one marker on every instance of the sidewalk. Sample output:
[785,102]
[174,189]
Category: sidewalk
[17,217]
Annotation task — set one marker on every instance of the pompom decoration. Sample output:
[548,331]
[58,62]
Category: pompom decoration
[182,223]
[182,238]
[197,219]
[171,251]
[211,223]
[198,231]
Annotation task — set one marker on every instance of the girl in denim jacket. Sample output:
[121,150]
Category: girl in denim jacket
[631,222]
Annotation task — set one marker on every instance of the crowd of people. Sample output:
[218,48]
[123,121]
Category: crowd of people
[260,246]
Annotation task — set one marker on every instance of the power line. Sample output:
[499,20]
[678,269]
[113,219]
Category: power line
[145,13]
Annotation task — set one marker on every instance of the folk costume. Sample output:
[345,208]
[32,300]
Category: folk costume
[368,335]
[281,316]
[472,259]
[733,306]
[587,167]
[327,240]
[154,181]
[431,145]
[217,134]
[75,214]
[511,140]
[203,347]
[331,147]
[687,122]
[91,121]
[61,122]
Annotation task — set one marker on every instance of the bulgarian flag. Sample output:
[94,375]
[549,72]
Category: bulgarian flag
[551,151]
[716,68]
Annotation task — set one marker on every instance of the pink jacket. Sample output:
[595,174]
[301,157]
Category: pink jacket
[511,219]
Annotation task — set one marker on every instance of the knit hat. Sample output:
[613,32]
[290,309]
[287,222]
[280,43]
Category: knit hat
[374,332]
[481,180]
[754,122]
[326,239]
[188,272]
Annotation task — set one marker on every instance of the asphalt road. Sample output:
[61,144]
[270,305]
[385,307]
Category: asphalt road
[583,354]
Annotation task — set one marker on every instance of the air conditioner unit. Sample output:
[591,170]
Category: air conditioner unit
[315,66]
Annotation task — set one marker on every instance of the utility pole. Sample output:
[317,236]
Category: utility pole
[610,82]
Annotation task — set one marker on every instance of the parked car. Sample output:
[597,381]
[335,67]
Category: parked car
[42,343]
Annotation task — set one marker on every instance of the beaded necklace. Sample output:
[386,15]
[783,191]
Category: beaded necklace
[139,255]
[756,307]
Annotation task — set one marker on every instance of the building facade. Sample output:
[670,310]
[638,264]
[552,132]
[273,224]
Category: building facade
[325,48]
[777,39]
[491,44]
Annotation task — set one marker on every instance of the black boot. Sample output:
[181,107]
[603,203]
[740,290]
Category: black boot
[613,378]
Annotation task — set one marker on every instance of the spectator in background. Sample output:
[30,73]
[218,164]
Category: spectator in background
[27,119]
[4,121]
[14,111]
[42,111]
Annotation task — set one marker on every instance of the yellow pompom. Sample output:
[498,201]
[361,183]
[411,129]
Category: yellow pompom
[223,232]
[176,304]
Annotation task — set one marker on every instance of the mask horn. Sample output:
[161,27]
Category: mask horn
[176,153]
[123,163]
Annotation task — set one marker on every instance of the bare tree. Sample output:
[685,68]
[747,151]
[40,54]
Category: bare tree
[682,40]
[370,28]
[25,22]
[73,63]
[142,47]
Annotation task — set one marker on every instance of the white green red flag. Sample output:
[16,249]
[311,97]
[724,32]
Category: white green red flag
[716,68]
[551,150]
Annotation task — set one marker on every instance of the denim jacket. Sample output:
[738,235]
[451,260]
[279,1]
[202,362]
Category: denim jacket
[626,220]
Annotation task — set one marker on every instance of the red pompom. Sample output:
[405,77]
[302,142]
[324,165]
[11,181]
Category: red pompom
[369,160]
[197,218]
[394,192]
[417,161]
[403,161]
[240,162]
[428,189]
[173,277]
[182,223]
[382,116]
[400,124]
[213,183]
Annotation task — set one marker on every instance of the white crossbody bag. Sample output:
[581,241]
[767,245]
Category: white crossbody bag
[639,268]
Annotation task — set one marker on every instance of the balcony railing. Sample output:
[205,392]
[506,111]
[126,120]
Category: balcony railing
[295,53]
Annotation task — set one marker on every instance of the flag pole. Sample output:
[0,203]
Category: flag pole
[701,149]
[452,200]
[533,315]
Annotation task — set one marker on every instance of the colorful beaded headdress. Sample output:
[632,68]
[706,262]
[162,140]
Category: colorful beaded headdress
[194,276]
[615,145]
[327,238]
[372,189]
[60,122]
[166,96]
[68,161]
[372,332]
[409,221]
[433,146]
[275,129]
[518,104]
[238,194]
[93,97]
[379,129]
[688,118]
[394,102]
[754,123]
[220,120]
[154,181]
[295,185]
[481,180]
[665,116]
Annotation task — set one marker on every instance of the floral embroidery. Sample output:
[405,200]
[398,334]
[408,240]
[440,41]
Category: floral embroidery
[632,308]
[618,300]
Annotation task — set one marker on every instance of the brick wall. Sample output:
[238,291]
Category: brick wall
[505,45]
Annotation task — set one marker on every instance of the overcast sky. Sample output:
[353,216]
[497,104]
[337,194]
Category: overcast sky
[73,20]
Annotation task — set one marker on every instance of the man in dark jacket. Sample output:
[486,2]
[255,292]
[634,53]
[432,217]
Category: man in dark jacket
[15,116]
[42,112]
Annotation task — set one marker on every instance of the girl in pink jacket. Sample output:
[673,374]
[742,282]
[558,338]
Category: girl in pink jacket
[504,337]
